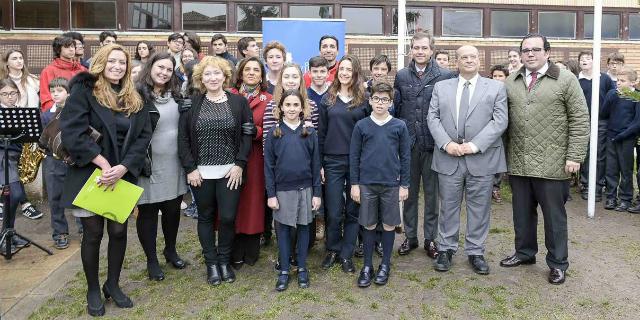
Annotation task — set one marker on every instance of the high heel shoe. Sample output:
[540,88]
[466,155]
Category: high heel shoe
[121,299]
[154,271]
[95,306]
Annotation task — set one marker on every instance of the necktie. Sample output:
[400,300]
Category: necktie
[420,74]
[462,112]
[534,77]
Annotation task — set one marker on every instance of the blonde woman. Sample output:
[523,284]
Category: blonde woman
[104,98]
[214,142]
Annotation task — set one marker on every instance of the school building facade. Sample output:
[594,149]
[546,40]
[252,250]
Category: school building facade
[494,26]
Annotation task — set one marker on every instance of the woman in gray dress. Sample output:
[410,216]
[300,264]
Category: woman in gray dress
[163,179]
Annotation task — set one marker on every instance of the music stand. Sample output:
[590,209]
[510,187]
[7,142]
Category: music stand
[16,125]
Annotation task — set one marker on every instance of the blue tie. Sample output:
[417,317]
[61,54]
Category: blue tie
[462,113]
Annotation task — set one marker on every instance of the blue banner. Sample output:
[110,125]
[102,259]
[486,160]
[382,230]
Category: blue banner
[301,37]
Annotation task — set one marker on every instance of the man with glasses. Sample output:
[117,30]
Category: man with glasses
[175,44]
[547,140]
[414,85]
[467,117]
[615,62]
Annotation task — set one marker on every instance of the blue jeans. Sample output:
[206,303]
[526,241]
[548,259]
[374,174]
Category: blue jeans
[341,213]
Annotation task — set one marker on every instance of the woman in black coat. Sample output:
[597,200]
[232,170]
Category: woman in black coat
[214,142]
[104,98]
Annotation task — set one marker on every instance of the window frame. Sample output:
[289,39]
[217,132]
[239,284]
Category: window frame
[629,26]
[129,28]
[584,25]
[299,4]
[226,23]
[71,27]
[356,6]
[491,20]
[61,22]
[237,13]
[575,23]
[433,23]
[482,20]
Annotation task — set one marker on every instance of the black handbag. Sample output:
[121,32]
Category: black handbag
[51,139]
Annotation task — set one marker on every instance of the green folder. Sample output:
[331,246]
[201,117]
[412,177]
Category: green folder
[114,205]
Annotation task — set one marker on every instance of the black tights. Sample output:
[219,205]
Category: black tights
[90,250]
[147,226]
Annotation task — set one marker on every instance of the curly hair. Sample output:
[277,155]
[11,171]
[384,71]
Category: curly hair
[128,100]
[215,62]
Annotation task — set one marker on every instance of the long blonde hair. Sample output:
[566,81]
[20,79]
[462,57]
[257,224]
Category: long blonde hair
[279,90]
[128,100]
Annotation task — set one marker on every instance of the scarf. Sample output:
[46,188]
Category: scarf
[162,99]
[249,92]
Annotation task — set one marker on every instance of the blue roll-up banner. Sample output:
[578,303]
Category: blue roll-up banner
[302,36]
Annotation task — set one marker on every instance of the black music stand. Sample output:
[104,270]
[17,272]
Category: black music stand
[16,125]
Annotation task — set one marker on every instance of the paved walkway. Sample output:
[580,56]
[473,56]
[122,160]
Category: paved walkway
[32,276]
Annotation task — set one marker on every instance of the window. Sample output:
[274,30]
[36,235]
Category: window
[250,16]
[204,16]
[363,20]
[509,23]
[150,15]
[418,20]
[41,14]
[93,14]
[557,24]
[610,26]
[634,26]
[462,22]
[323,12]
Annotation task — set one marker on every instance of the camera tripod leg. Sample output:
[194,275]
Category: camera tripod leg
[34,243]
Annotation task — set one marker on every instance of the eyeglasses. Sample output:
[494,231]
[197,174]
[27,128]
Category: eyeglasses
[376,99]
[9,94]
[180,42]
[536,50]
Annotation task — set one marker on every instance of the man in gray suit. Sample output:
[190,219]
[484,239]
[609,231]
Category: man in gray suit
[467,117]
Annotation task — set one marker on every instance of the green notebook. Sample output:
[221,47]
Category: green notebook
[115,205]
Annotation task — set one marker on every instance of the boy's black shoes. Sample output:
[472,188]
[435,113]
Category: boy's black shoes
[303,278]
[407,246]
[366,274]
[623,206]
[61,242]
[443,263]
[634,209]
[283,281]
[382,276]
[610,204]
[479,265]
[329,260]
[31,212]
[347,266]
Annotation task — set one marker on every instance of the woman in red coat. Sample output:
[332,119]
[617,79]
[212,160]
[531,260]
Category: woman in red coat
[251,83]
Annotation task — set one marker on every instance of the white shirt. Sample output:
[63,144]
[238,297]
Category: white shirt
[293,127]
[540,72]
[423,69]
[581,75]
[381,122]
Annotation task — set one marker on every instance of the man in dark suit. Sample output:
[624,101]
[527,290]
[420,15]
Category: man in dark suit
[467,117]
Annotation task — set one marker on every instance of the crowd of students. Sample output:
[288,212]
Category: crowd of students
[258,144]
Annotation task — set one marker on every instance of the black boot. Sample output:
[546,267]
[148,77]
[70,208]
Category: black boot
[213,275]
[115,293]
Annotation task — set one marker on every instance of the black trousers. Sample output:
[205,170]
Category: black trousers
[216,203]
[551,196]
[601,161]
[620,170]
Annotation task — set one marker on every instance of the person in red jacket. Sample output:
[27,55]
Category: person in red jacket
[64,65]
[328,50]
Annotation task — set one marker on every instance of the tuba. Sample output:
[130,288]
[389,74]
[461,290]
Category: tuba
[29,163]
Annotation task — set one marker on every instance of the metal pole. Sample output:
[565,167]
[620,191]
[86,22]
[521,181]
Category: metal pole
[402,32]
[595,106]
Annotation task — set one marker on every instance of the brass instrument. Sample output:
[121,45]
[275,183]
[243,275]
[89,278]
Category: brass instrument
[29,163]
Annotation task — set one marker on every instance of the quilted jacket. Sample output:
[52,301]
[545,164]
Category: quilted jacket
[547,126]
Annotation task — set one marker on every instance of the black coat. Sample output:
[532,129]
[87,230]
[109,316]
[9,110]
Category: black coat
[188,148]
[412,99]
[83,110]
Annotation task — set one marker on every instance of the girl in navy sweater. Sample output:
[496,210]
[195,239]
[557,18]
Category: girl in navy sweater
[344,104]
[292,176]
